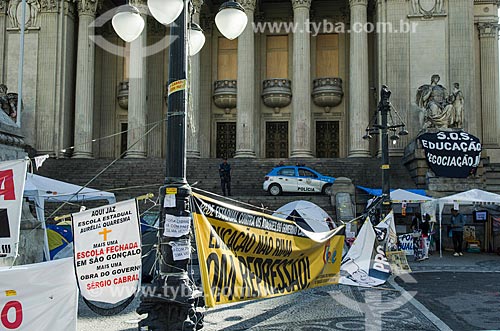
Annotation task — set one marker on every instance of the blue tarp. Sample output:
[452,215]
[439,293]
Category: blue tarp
[378,191]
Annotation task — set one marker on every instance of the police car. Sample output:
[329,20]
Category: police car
[296,179]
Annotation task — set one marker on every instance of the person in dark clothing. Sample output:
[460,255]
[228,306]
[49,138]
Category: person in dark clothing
[425,227]
[457,230]
[225,177]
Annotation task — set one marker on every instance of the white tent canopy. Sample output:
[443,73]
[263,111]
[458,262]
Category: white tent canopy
[400,195]
[470,197]
[43,189]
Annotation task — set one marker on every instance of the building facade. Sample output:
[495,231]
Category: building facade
[303,80]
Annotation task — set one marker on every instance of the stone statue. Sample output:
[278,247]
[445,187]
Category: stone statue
[12,12]
[32,9]
[440,110]
[8,102]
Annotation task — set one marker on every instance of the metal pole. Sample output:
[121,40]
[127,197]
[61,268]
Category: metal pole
[172,305]
[384,108]
[20,69]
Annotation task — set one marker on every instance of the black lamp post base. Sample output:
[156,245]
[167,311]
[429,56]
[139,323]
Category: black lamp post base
[170,307]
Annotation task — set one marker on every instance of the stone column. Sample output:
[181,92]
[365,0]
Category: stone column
[84,96]
[301,81]
[3,26]
[490,102]
[358,81]
[137,105]
[245,139]
[193,119]
[462,64]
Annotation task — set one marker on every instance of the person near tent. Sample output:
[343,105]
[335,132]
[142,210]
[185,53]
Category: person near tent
[415,221]
[417,237]
[425,227]
[457,229]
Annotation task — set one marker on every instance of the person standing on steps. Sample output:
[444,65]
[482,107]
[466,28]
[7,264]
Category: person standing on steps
[457,230]
[225,177]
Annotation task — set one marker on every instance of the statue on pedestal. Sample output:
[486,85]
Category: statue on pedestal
[439,109]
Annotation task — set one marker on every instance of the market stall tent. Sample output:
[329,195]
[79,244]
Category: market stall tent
[470,197]
[400,195]
[41,189]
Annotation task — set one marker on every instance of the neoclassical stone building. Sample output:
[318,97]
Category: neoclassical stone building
[272,93]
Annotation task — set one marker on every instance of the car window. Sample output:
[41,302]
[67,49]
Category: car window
[287,172]
[307,173]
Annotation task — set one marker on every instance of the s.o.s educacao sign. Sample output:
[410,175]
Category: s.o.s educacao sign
[451,154]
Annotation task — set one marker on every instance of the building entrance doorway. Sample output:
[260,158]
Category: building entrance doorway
[226,140]
[277,140]
[327,139]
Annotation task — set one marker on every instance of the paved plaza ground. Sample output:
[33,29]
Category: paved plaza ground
[448,293]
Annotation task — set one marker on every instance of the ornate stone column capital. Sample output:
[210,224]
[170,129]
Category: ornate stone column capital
[301,4]
[48,6]
[248,4]
[87,7]
[197,5]
[488,30]
[358,3]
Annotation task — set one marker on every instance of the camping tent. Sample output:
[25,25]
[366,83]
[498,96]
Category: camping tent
[470,197]
[307,215]
[43,189]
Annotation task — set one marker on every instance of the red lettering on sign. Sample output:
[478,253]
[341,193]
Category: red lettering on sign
[7,184]
[19,315]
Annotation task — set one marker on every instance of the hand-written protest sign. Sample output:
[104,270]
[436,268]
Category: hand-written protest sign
[176,226]
[451,154]
[12,179]
[107,249]
[406,243]
[250,255]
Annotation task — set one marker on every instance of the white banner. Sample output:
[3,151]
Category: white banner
[39,297]
[107,247]
[406,243]
[12,178]
[365,264]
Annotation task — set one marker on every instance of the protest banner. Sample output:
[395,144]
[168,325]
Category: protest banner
[406,243]
[247,255]
[451,154]
[39,297]
[386,233]
[399,263]
[12,179]
[365,264]
[107,251]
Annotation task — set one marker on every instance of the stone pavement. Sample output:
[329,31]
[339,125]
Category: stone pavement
[339,307]
[473,262]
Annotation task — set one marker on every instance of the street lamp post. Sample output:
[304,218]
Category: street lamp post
[170,303]
[384,108]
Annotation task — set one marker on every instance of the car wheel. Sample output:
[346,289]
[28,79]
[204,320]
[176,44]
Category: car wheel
[275,189]
[327,189]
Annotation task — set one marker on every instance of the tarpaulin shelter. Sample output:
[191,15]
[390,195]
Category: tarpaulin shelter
[400,195]
[474,196]
[41,189]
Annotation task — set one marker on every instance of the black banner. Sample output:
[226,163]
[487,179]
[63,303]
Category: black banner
[454,154]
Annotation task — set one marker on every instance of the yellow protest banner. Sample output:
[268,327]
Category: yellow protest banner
[246,254]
